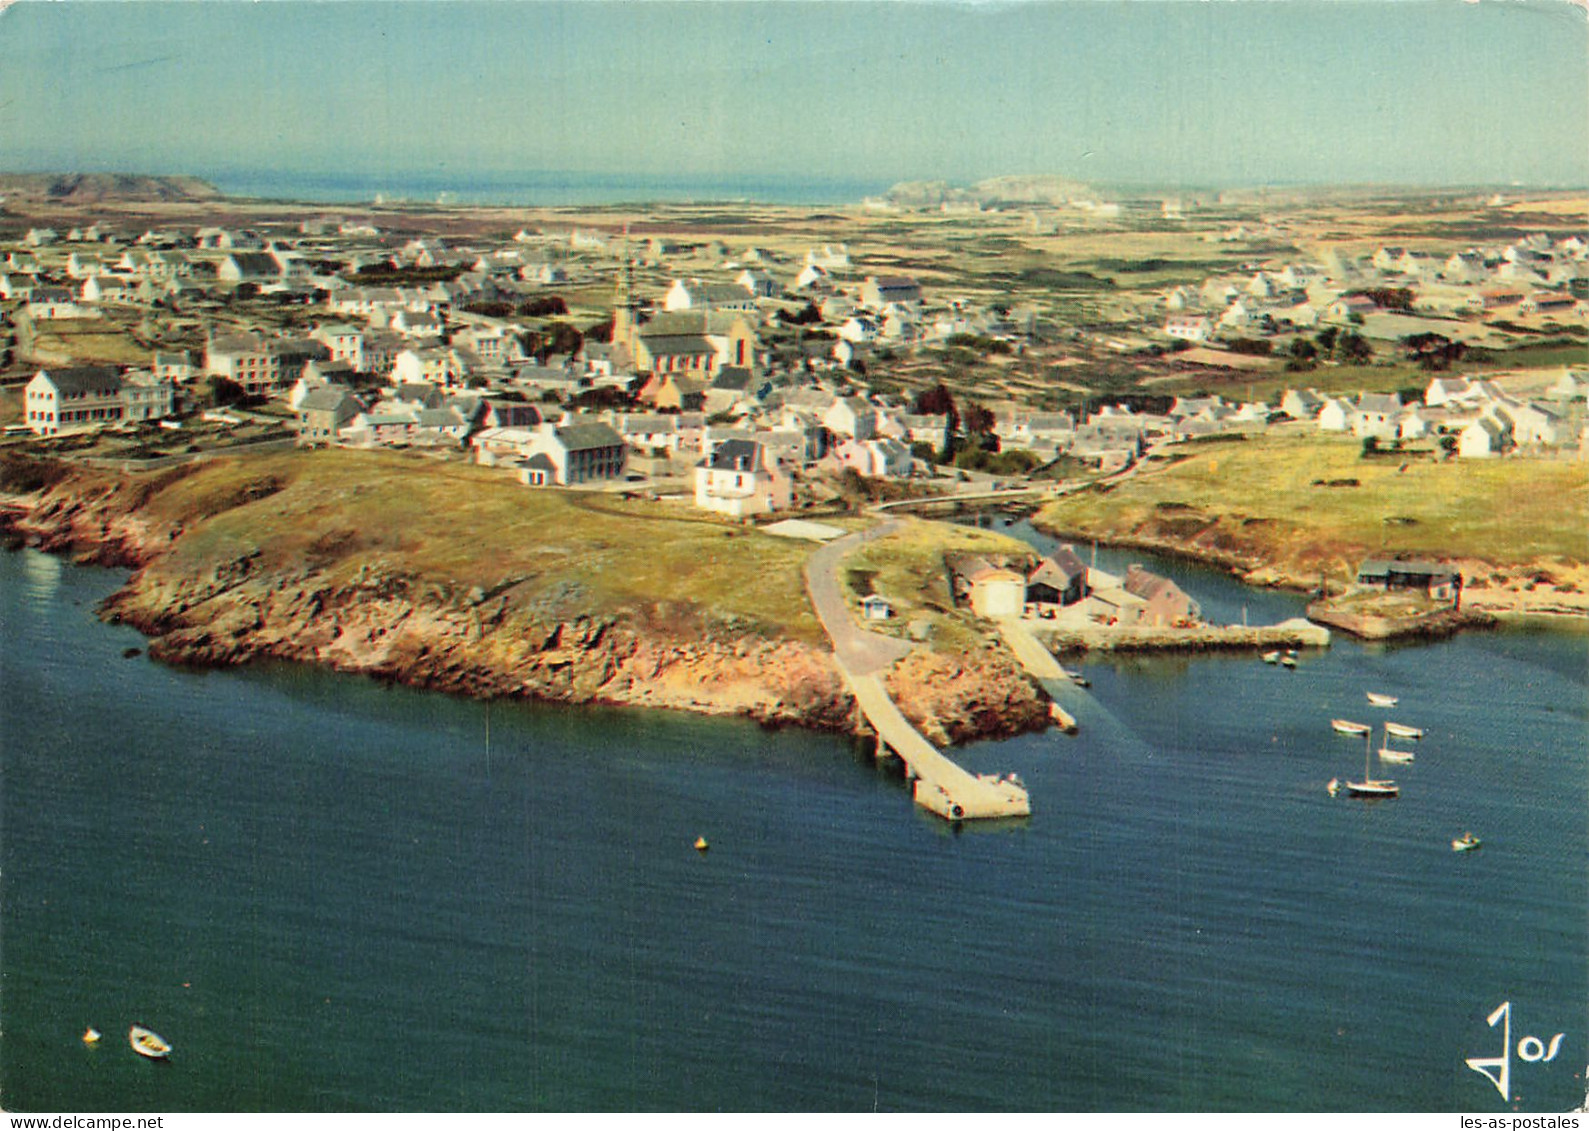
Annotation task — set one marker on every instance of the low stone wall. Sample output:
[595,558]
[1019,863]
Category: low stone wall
[1294,633]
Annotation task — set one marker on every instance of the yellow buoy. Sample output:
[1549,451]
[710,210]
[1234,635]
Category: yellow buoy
[90,1035]
[700,844]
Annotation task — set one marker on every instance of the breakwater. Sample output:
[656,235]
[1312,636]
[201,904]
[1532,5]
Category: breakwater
[1294,633]
[1430,626]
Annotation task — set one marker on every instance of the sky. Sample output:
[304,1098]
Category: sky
[1230,92]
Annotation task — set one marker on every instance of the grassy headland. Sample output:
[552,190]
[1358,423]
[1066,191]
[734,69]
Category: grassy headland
[1293,507]
[465,527]
[451,576]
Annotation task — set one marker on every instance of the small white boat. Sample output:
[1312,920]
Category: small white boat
[1347,726]
[1334,786]
[1271,657]
[1402,730]
[146,1042]
[1467,842]
[1388,754]
[1288,661]
[1379,700]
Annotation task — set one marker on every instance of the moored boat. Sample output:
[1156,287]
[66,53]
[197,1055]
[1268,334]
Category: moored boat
[1347,726]
[1467,842]
[1379,700]
[1271,657]
[1288,661]
[1389,754]
[1402,730]
[1371,786]
[146,1042]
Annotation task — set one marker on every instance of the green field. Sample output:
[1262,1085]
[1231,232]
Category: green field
[1270,499]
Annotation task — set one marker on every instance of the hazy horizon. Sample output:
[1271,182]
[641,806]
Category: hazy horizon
[1156,93]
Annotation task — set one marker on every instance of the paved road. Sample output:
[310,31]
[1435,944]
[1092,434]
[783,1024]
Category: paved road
[859,652]
[943,787]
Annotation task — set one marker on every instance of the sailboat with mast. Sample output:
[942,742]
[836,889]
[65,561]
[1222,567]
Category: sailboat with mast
[1371,786]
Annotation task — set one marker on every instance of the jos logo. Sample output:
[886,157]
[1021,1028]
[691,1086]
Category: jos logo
[1498,1069]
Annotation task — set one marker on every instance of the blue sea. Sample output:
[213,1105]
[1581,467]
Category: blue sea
[537,189]
[329,894]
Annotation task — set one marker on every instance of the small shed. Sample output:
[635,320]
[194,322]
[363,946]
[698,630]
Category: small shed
[875,607]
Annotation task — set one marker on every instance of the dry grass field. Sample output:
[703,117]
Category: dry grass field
[1306,503]
[463,527]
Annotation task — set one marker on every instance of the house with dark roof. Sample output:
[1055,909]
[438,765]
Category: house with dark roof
[248,267]
[73,399]
[578,451]
[500,413]
[880,290]
[740,478]
[693,294]
[1059,579]
[1439,581]
[83,397]
[324,412]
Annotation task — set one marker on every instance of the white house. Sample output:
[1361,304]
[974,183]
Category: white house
[1376,414]
[1531,425]
[1301,404]
[851,416]
[758,284]
[248,267]
[692,294]
[416,324]
[106,288]
[876,459]
[430,365]
[1335,415]
[742,478]
[78,398]
[858,329]
[1485,438]
[577,452]
[1189,329]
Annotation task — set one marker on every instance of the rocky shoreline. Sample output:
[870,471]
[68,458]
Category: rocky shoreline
[422,633]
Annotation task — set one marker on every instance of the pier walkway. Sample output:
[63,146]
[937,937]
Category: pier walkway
[942,787]
[1039,663]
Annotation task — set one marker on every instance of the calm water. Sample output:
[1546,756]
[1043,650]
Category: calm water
[330,896]
[535,188]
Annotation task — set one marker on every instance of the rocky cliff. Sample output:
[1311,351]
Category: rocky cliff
[422,632]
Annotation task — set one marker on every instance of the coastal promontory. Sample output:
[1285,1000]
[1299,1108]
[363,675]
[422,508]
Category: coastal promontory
[452,577]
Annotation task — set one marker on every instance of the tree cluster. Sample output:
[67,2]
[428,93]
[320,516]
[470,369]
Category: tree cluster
[1390,298]
[1433,351]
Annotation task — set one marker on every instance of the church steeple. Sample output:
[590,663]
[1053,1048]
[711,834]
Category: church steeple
[626,305]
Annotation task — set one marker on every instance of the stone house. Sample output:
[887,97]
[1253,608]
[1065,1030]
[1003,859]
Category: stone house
[1165,602]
